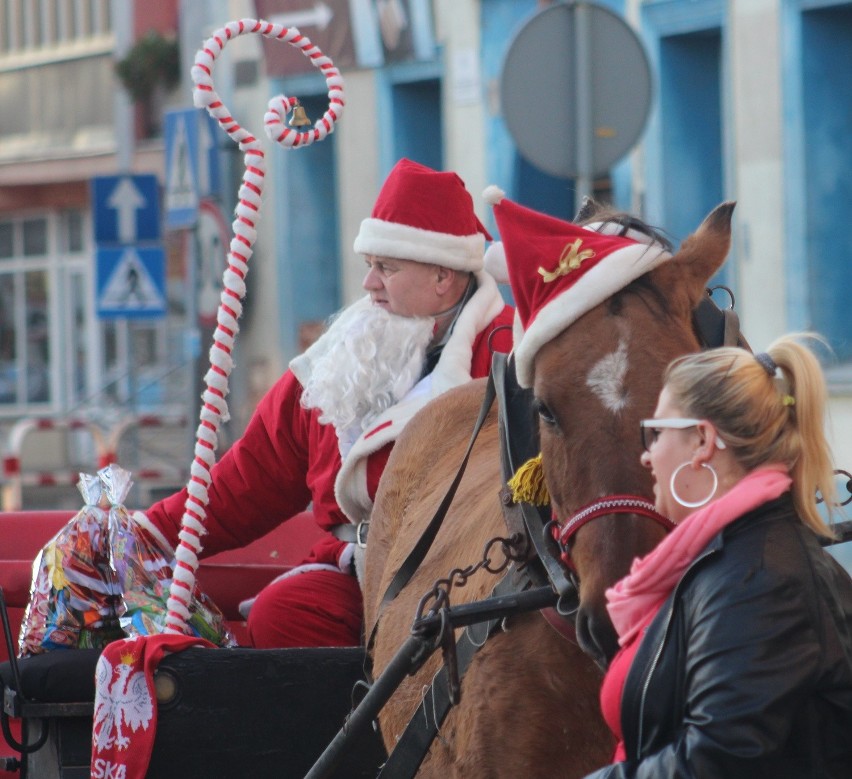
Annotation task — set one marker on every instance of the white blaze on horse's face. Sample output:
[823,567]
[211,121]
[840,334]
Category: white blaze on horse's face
[606,378]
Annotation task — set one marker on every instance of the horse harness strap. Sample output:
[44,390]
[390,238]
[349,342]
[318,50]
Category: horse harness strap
[519,442]
[611,504]
[441,695]
[715,326]
[424,543]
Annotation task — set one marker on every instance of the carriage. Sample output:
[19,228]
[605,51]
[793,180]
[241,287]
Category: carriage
[485,630]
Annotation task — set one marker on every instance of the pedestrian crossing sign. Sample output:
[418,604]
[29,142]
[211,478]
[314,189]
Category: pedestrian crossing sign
[192,166]
[131,282]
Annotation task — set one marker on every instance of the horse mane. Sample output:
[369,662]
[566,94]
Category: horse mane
[593,211]
[647,291]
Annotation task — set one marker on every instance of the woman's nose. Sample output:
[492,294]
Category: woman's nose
[645,459]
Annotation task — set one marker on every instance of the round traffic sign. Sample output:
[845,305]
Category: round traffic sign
[575,89]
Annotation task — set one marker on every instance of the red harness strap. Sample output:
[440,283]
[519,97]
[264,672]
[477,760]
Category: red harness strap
[609,504]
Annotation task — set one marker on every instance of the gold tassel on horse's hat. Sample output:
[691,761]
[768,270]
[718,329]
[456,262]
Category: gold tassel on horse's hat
[528,485]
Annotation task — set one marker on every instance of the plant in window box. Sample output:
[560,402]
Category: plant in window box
[150,68]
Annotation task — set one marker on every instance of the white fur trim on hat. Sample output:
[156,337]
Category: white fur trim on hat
[495,262]
[402,242]
[606,278]
[492,194]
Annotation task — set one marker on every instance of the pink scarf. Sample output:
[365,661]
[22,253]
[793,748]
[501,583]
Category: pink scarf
[653,577]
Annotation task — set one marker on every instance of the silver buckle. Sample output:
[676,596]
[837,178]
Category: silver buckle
[361,533]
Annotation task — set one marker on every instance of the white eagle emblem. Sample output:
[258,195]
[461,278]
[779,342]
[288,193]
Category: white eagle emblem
[121,698]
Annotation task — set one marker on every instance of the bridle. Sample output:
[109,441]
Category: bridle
[606,506]
[714,327]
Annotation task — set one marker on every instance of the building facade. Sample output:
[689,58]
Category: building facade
[750,102]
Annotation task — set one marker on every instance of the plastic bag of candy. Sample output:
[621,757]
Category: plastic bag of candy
[102,577]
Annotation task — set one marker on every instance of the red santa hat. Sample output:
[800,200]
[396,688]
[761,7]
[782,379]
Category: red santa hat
[424,215]
[559,271]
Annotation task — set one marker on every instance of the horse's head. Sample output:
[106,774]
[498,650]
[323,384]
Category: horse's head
[593,381]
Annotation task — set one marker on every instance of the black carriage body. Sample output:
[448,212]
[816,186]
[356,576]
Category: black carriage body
[235,712]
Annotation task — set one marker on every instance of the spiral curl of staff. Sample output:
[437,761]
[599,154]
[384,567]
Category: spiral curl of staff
[214,408]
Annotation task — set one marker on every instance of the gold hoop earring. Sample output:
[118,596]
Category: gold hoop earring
[685,503]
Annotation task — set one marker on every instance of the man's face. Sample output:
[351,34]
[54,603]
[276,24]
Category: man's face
[404,287]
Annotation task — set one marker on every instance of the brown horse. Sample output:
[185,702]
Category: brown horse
[529,704]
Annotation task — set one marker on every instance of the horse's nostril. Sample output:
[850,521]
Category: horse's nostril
[596,637]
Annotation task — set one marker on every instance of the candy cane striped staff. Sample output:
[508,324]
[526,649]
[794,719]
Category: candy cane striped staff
[215,408]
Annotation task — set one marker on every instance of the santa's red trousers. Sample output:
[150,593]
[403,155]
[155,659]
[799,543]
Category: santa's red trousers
[315,608]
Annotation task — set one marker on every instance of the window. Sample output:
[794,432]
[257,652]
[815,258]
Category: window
[8,343]
[56,355]
[38,255]
[74,231]
[37,26]
[34,237]
[24,317]
[5,240]
[36,338]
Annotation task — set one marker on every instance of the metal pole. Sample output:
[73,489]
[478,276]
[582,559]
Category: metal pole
[125,143]
[583,109]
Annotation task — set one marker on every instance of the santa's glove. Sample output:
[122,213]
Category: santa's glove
[346,559]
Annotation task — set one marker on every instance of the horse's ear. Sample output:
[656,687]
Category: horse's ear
[719,219]
[705,251]
[588,208]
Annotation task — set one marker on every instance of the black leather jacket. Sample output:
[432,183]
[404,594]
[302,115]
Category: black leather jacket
[747,669]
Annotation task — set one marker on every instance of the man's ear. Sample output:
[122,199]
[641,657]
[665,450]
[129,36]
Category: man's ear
[445,279]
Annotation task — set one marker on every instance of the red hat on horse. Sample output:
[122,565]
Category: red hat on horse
[559,270]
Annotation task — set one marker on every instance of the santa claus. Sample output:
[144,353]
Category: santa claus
[322,435]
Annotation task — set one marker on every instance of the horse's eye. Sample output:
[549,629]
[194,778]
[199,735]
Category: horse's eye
[544,412]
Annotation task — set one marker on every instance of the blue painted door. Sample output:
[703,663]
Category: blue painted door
[826,48]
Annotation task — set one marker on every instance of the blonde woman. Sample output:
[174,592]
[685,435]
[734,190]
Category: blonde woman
[736,631]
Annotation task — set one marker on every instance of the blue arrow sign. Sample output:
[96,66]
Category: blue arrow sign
[126,209]
[131,282]
[208,154]
[192,164]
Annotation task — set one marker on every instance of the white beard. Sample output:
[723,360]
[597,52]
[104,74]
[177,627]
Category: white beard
[366,361]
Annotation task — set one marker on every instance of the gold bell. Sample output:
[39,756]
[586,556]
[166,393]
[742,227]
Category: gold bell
[299,118]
